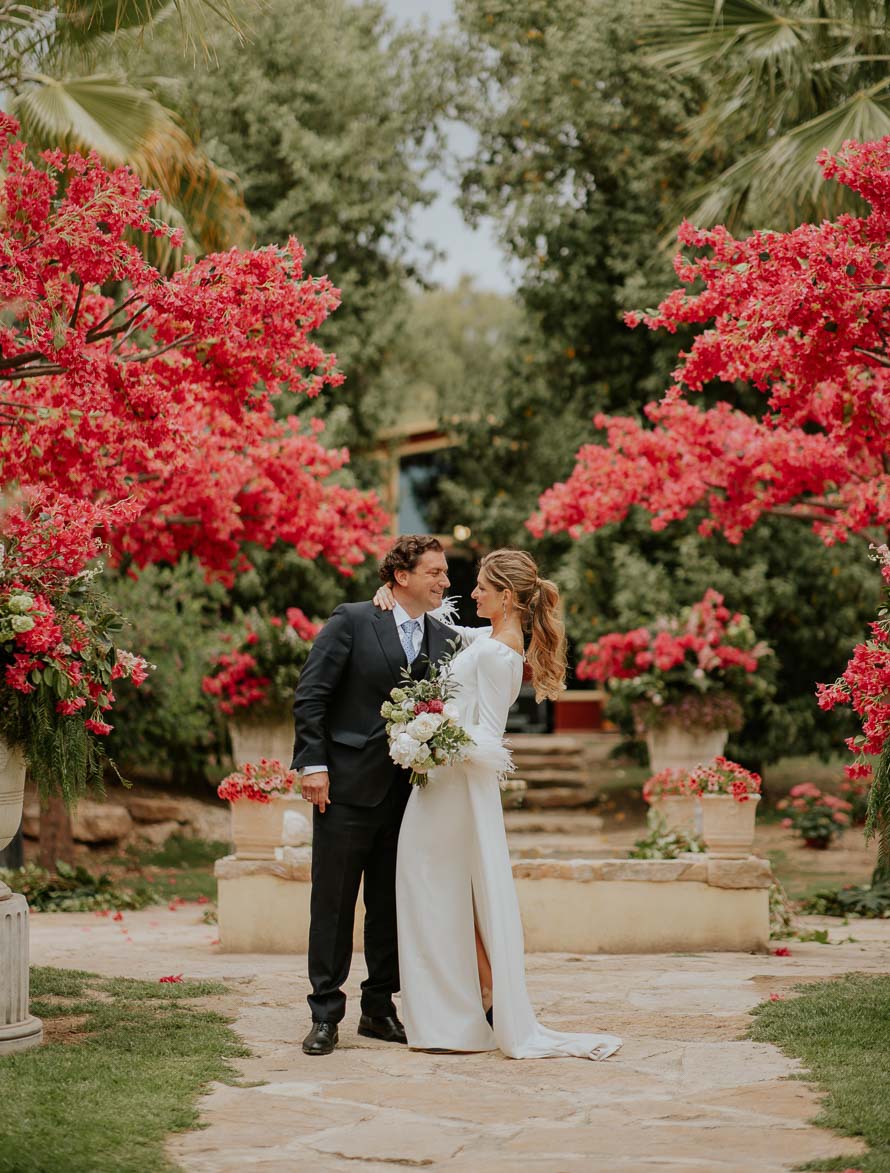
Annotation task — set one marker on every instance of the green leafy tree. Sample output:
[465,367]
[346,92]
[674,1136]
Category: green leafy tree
[169,728]
[329,116]
[786,79]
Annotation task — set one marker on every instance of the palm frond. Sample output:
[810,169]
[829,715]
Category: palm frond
[692,34]
[125,124]
[778,185]
[84,19]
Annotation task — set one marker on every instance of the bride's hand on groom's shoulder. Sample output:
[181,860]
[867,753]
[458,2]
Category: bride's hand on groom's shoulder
[384,599]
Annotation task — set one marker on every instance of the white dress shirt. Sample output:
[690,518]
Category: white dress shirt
[400,616]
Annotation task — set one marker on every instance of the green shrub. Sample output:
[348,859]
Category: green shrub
[73,889]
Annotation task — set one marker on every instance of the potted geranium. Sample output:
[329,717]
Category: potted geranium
[818,818]
[58,659]
[254,677]
[672,796]
[681,679]
[729,795]
[258,793]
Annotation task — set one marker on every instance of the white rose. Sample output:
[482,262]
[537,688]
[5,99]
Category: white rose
[424,726]
[408,706]
[404,749]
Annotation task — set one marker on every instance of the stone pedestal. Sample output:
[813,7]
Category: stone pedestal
[691,904]
[19,1030]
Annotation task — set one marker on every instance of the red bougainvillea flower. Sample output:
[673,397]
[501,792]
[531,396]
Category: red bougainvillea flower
[171,978]
[782,951]
[164,398]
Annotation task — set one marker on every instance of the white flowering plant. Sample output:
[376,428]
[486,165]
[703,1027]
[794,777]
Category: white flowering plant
[422,725]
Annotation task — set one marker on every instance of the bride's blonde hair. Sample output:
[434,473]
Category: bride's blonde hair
[537,601]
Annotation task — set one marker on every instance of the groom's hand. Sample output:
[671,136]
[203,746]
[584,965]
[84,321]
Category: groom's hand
[316,789]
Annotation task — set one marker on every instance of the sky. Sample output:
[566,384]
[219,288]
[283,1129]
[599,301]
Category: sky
[474,252]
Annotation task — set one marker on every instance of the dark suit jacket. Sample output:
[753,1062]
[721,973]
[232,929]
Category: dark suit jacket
[355,662]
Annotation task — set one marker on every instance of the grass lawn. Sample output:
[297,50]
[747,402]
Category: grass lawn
[123,1067]
[841,1031]
[182,867]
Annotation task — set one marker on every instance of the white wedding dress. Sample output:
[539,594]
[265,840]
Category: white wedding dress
[452,858]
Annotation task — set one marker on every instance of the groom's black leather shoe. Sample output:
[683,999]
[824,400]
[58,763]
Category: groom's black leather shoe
[389,1029]
[322,1039]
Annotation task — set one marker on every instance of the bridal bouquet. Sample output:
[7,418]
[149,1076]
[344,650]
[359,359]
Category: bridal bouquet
[422,727]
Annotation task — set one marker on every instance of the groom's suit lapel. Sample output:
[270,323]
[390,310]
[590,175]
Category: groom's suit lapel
[385,627]
[438,636]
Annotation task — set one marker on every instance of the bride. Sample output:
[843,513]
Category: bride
[461,952]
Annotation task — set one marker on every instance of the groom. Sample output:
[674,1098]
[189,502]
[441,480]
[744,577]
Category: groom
[359,794]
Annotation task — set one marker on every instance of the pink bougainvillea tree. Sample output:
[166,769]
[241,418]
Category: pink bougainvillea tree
[804,318]
[116,382]
[137,412]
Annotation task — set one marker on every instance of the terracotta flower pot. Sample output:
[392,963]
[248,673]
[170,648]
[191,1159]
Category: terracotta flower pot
[674,747]
[817,844]
[12,791]
[728,825]
[679,811]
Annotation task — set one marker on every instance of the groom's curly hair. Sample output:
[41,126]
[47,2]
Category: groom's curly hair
[405,553]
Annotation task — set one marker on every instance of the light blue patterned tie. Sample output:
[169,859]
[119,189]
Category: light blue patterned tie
[406,635]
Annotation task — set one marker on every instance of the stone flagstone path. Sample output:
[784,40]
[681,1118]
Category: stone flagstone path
[687,1092]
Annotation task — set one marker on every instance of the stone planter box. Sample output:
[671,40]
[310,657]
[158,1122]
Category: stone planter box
[728,825]
[260,828]
[680,812]
[694,903]
[272,738]
[677,748]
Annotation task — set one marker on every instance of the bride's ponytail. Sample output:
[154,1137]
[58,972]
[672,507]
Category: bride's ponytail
[546,653]
[537,600]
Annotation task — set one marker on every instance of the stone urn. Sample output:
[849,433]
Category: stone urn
[12,791]
[674,747]
[19,1029]
[680,812]
[728,825]
[258,828]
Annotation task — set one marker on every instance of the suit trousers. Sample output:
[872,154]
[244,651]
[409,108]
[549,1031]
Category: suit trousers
[349,844]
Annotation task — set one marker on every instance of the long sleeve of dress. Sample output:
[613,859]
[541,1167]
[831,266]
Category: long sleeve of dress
[499,676]
[469,635]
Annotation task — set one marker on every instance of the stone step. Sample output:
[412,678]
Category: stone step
[560,797]
[544,777]
[544,823]
[546,742]
[539,761]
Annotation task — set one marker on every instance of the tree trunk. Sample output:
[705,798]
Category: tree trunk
[56,841]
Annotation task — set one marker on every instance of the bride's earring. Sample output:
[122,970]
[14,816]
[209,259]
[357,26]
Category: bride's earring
[505,610]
